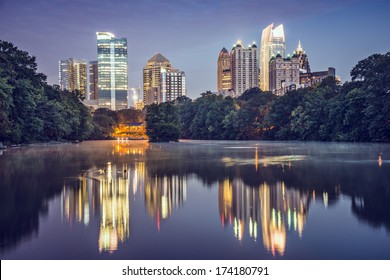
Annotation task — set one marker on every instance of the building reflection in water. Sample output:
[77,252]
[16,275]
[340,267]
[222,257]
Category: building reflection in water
[105,194]
[163,194]
[272,209]
[106,191]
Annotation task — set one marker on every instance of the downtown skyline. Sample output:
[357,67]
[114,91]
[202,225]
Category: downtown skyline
[332,33]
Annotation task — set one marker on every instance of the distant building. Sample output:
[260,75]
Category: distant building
[315,78]
[133,130]
[283,74]
[304,66]
[272,43]
[112,71]
[224,74]
[139,104]
[73,75]
[161,82]
[173,84]
[244,68]
[93,80]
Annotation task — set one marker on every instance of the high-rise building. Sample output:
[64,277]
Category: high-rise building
[161,82]
[152,78]
[224,72]
[73,75]
[304,66]
[112,71]
[272,43]
[173,84]
[93,79]
[283,74]
[244,68]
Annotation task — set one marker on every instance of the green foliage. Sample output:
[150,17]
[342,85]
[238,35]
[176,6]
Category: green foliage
[162,122]
[254,106]
[31,110]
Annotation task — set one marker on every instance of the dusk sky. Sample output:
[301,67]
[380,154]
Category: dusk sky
[190,33]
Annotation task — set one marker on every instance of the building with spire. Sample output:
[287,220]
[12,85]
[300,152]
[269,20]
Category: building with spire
[304,66]
[112,71]
[272,43]
[244,65]
[73,75]
[224,74]
[161,82]
[307,78]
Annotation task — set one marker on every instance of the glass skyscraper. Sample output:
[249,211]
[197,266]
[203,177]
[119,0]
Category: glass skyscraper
[112,71]
[272,43]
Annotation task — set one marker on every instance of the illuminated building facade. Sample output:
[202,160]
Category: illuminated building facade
[244,68]
[152,78]
[112,71]
[283,74]
[304,66]
[93,79]
[161,82]
[73,75]
[315,78]
[173,84]
[224,74]
[272,43]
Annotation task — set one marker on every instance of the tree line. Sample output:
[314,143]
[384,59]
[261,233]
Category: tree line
[357,111]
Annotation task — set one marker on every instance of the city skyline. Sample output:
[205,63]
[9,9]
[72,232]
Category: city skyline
[194,41]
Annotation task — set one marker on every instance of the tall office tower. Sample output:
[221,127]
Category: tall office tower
[73,75]
[152,78]
[224,72]
[304,66]
[161,82]
[112,71]
[283,74]
[272,43]
[173,84]
[245,68]
[93,79]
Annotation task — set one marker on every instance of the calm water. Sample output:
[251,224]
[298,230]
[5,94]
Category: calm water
[195,200]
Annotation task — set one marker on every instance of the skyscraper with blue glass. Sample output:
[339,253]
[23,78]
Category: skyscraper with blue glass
[112,71]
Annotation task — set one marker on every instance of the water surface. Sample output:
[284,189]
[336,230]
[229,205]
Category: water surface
[195,200]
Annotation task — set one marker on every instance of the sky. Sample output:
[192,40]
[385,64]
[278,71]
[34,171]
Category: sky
[191,33]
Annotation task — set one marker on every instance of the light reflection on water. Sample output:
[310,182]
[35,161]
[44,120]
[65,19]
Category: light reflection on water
[265,197]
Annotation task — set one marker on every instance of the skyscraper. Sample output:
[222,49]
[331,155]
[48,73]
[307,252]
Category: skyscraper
[272,43]
[152,78]
[73,75]
[161,82]
[224,71]
[244,67]
[173,84]
[93,79]
[304,66]
[112,71]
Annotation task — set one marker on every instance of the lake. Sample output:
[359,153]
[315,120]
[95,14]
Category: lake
[195,200]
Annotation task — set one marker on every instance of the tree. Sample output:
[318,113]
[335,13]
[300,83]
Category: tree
[162,122]
[254,105]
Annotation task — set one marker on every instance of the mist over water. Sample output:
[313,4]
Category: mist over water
[195,200]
